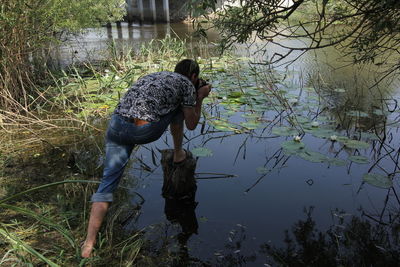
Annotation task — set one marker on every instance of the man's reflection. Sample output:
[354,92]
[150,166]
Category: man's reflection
[179,192]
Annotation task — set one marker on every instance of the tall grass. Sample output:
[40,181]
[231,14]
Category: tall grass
[22,236]
[70,108]
[28,29]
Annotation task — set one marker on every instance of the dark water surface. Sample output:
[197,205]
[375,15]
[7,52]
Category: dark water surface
[237,215]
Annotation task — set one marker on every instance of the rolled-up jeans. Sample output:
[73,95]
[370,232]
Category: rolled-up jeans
[121,137]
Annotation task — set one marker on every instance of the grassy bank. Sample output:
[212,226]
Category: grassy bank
[50,161]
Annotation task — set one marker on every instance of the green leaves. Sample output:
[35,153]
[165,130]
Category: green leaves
[359,159]
[17,242]
[262,170]
[356,144]
[223,125]
[378,180]
[292,147]
[201,152]
[284,131]
[313,156]
[251,125]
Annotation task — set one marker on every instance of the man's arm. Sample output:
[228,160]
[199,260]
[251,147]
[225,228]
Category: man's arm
[192,114]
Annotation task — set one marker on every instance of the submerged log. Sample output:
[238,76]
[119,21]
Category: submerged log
[179,181]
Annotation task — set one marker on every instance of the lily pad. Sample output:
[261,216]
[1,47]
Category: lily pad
[380,112]
[262,170]
[251,115]
[284,131]
[301,119]
[321,132]
[251,125]
[378,180]
[339,90]
[228,113]
[235,94]
[341,138]
[313,156]
[223,126]
[337,162]
[292,146]
[370,136]
[357,113]
[201,152]
[356,144]
[314,124]
[359,159]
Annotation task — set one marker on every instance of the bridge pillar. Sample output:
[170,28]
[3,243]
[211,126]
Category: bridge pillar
[141,11]
[166,9]
[153,9]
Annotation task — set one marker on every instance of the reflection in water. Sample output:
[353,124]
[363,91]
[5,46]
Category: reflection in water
[179,192]
[351,241]
[93,44]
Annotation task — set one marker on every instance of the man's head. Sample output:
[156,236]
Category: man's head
[188,68]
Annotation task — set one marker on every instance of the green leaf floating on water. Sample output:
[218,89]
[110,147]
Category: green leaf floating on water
[223,126]
[284,131]
[201,152]
[359,159]
[251,125]
[252,115]
[235,94]
[262,170]
[313,156]
[357,113]
[337,162]
[378,180]
[341,138]
[370,136]
[292,147]
[228,113]
[380,112]
[321,132]
[301,119]
[356,144]
[339,90]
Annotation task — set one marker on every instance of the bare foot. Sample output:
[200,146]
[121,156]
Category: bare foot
[179,156]
[86,250]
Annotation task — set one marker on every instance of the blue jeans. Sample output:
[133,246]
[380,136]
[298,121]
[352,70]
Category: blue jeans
[121,137]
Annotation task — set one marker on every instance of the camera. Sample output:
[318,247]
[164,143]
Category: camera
[200,83]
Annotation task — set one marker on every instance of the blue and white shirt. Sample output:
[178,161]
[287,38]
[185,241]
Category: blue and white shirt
[156,95]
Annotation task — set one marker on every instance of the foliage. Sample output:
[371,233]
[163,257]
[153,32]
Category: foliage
[44,222]
[368,29]
[29,27]
[351,241]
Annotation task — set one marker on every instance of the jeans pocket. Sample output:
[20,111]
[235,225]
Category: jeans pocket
[113,135]
[115,123]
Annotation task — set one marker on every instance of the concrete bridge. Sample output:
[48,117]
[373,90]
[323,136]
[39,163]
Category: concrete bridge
[154,10]
[159,10]
[169,10]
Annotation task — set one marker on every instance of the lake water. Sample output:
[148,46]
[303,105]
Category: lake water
[271,189]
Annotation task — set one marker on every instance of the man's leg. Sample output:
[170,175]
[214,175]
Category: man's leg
[99,210]
[117,156]
[177,127]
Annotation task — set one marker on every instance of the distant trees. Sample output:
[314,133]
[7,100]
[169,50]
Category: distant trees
[366,29]
[26,29]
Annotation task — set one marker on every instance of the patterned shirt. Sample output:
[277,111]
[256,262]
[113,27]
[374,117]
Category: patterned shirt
[155,95]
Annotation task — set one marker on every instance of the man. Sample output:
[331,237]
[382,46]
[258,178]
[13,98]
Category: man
[142,115]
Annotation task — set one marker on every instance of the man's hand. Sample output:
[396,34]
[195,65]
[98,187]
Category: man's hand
[203,91]
[192,114]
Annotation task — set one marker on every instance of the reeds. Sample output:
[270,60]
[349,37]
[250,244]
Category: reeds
[64,112]
[24,237]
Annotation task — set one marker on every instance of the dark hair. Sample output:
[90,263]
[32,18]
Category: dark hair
[187,67]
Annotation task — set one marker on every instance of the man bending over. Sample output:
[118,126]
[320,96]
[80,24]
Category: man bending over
[142,115]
